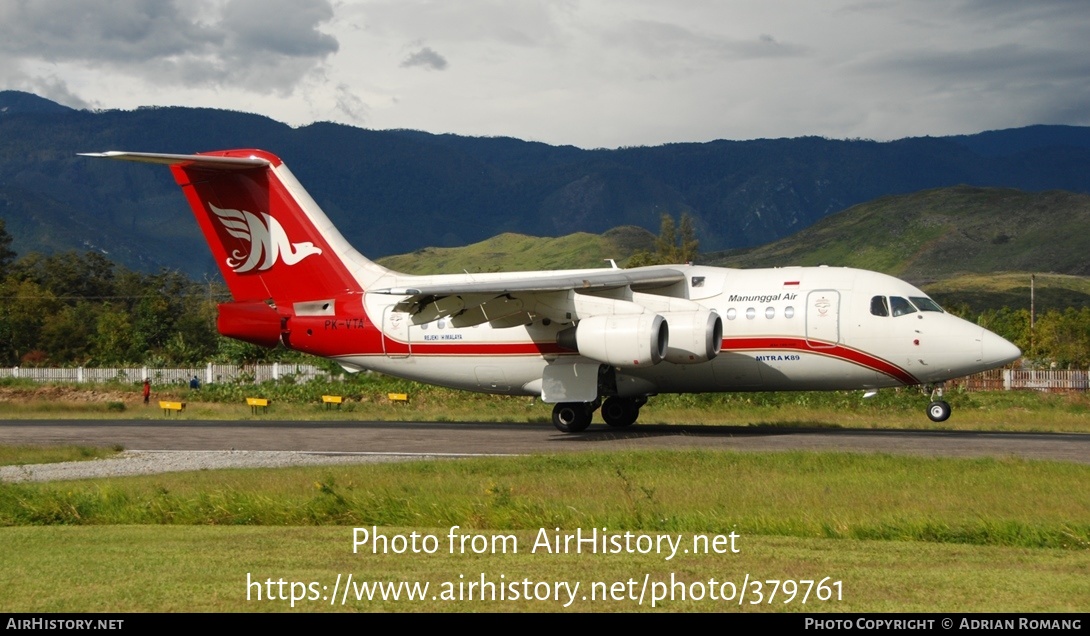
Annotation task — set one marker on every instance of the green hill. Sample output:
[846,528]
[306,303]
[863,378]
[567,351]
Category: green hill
[993,291]
[939,233]
[969,247]
[965,245]
[516,252]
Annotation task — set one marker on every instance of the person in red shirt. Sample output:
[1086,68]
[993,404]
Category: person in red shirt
[147,391]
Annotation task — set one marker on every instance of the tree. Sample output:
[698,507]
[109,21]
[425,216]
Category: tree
[113,337]
[671,246]
[1064,336]
[1012,324]
[24,307]
[6,253]
[688,244]
[666,244]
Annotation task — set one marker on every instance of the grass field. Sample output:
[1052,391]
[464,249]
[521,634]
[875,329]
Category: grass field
[899,534]
[847,532]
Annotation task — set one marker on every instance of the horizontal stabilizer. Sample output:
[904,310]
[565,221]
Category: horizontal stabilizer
[208,162]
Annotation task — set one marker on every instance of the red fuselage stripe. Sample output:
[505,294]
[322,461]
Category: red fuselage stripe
[765,343]
[825,349]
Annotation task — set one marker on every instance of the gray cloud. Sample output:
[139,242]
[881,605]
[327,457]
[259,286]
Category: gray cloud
[669,43]
[350,105]
[527,23]
[263,45]
[1033,84]
[280,27]
[50,87]
[426,58]
[100,30]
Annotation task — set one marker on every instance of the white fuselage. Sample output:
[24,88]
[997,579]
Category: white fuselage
[792,328]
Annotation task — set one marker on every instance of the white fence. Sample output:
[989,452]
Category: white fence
[208,374]
[1051,380]
[995,380]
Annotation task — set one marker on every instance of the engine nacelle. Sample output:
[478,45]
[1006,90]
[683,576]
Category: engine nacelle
[626,341]
[695,336]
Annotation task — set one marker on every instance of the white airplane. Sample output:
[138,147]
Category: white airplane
[574,337]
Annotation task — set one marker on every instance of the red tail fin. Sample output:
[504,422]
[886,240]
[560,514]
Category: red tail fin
[269,238]
[264,239]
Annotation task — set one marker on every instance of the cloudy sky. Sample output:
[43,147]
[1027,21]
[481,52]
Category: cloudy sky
[591,73]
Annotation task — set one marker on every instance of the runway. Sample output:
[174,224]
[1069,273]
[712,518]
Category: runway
[477,438]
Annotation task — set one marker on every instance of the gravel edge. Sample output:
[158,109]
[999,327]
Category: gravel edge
[153,462]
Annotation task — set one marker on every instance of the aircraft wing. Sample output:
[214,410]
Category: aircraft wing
[510,300]
[642,278]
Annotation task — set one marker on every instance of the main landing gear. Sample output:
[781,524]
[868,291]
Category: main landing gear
[574,417]
[618,411]
[939,409]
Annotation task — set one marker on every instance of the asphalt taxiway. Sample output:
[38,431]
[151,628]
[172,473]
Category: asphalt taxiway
[486,438]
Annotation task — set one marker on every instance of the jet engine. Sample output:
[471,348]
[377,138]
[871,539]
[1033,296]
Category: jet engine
[695,336]
[630,340]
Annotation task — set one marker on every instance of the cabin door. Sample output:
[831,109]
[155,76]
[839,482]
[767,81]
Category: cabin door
[395,333]
[823,318]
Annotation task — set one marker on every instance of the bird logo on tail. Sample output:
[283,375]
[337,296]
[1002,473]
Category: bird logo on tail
[267,240]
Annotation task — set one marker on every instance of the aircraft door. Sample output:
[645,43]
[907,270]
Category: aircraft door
[822,318]
[395,333]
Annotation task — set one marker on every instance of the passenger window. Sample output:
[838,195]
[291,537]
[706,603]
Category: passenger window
[901,306]
[878,306]
[925,304]
[698,281]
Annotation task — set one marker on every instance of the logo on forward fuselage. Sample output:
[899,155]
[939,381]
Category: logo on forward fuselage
[267,238]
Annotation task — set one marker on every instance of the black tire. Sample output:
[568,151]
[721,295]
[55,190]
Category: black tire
[620,411]
[572,417]
[938,411]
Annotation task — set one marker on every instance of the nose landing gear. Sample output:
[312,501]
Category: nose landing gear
[939,409]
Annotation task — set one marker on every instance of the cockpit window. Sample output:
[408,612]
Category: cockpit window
[925,304]
[879,306]
[901,306]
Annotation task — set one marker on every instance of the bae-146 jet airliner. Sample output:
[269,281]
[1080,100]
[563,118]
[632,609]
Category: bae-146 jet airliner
[579,339]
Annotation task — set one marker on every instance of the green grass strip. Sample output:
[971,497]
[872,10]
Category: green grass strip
[1007,502]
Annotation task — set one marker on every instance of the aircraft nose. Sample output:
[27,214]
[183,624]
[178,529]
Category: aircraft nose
[996,350]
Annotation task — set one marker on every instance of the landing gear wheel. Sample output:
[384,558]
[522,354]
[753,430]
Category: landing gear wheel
[620,411]
[938,411]
[572,417]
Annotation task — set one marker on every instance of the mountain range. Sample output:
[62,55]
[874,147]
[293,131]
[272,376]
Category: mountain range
[397,191]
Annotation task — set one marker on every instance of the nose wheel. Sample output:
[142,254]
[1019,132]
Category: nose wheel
[939,409]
